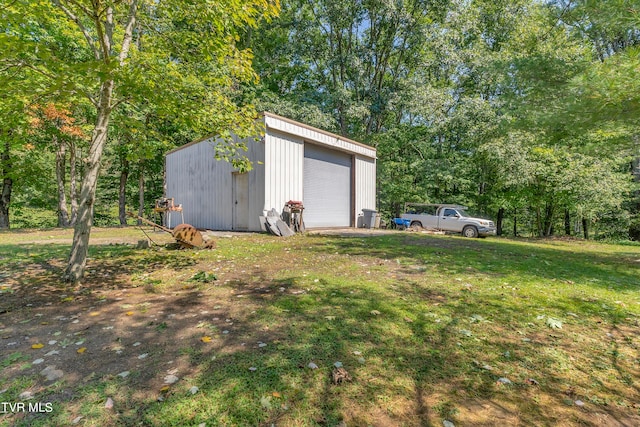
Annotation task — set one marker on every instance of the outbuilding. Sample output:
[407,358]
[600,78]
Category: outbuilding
[333,176]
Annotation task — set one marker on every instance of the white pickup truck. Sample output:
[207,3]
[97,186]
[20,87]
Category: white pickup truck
[447,218]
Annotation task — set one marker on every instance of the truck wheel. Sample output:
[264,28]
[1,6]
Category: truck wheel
[470,231]
[416,225]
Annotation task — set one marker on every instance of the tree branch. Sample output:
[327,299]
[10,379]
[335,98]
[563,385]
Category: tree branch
[128,31]
[109,25]
[82,28]
[103,40]
[90,14]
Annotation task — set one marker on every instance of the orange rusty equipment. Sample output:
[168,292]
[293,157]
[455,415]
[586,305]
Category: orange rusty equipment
[187,236]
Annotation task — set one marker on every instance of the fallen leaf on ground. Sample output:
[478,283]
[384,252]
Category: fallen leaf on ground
[82,350]
[51,373]
[129,313]
[165,389]
[26,395]
[206,339]
[170,379]
[276,394]
[265,402]
[375,312]
[37,346]
[554,323]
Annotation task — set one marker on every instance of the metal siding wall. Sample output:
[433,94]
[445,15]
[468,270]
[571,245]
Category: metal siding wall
[284,155]
[256,184]
[365,186]
[203,186]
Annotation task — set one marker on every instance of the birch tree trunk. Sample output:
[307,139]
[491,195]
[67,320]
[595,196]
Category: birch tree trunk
[61,157]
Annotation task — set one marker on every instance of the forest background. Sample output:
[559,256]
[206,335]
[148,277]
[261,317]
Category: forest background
[524,110]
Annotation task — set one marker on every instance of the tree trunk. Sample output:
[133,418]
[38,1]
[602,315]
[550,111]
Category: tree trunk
[515,225]
[73,184]
[61,172]
[567,222]
[548,220]
[122,194]
[499,221]
[80,246]
[7,186]
[585,228]
[141,193]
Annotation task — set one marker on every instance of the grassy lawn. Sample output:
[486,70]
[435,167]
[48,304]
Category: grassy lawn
[477,332]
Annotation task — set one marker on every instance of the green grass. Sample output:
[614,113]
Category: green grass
[425,325]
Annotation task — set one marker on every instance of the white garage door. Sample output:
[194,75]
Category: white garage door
[327,187]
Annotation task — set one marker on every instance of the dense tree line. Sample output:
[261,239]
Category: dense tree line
[525,111]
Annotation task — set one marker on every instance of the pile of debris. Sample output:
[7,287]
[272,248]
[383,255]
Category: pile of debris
[287,224]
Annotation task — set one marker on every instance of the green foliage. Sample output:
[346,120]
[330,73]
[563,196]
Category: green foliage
[203,277]
[155,73]
[524,107]
[30,217]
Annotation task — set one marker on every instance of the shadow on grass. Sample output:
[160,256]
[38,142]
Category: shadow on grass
[457,255]
[415,369]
